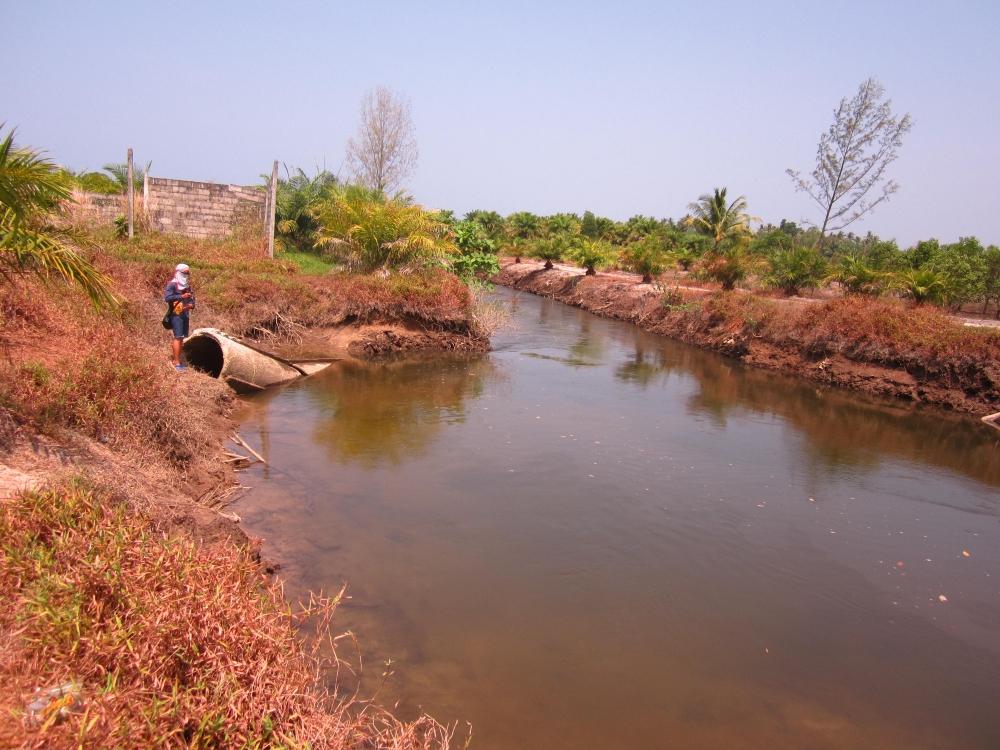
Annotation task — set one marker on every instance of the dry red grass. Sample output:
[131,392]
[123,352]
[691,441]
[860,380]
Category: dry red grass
[172,644]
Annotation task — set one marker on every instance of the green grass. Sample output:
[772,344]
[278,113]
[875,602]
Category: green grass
[308,264]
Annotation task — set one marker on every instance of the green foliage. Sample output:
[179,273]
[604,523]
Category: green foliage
[524,225]
[561,224]
[296,197]
[922,253]
[477,252]
[307,263]
[854,274]
[923,285]
[991,278]
[551,249]
[712,216]
[367,231]
[964,267]
[92,182]
[768,242]
[119,175]
[31,187]
[728,264]
[592,254]
[647,256]
[491,222]
[883,255]
[793,268]
[471,237]
[596,227]
[473,265]
[121,227]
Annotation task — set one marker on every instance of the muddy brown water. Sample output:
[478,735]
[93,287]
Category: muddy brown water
[595,537]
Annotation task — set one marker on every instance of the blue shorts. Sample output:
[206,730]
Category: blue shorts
[179,323]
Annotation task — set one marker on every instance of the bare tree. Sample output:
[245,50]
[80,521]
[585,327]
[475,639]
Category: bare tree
[852,158]
[384,151]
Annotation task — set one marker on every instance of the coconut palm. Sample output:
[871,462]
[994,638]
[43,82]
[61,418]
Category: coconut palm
[713,216]
[31,189]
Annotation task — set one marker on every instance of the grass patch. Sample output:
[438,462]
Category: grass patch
[309,264]
[171,643]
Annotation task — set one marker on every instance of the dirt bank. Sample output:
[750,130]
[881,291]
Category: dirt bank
[881,347]
[88,398]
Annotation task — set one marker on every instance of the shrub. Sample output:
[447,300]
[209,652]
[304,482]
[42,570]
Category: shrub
[647,257]
[794,268]
[592,254]
[728,265]
[854,274]
[368,232]
[922,285]
[551,249]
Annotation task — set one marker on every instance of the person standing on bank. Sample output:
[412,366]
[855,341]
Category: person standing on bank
[180,297]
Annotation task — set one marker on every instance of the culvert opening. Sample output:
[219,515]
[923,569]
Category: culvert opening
[204,353]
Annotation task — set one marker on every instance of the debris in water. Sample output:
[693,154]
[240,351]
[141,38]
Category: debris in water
[942,598]
[900,564]
[966,553]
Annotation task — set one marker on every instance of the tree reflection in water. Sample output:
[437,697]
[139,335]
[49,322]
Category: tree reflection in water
[383,413]
[843,429]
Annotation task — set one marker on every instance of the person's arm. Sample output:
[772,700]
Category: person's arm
[172,293]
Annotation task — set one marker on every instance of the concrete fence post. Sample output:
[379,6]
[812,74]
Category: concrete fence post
[145,198]
[130,197]
[272,196]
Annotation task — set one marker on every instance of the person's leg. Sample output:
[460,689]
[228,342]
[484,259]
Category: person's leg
[178,324]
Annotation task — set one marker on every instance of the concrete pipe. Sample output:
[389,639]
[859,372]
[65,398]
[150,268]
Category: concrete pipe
[242,366]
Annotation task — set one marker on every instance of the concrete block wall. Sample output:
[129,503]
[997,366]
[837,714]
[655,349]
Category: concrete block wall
[96,208]
[203,209]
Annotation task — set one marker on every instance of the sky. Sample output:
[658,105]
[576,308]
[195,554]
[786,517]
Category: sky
[621,108]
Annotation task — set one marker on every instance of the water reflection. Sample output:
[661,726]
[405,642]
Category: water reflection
[384,413]
[843,429]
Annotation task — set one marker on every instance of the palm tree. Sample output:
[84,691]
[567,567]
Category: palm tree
[370,232]
[647,257]
[31,189]
[592,253]
[119,173]
[551,249]
[720,220]
[296,197]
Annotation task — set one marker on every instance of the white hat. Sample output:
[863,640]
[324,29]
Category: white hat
[183,268]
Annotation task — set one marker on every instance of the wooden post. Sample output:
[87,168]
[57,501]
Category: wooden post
[271,209]
[130,198]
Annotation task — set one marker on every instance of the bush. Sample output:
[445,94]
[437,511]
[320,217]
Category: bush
[551,249]
[369,232]
[854,274]
[793,268]
[647,257]
[727,265]
[923,285]
[592,254]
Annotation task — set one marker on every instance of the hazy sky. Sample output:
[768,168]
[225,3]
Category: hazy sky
[618,107]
